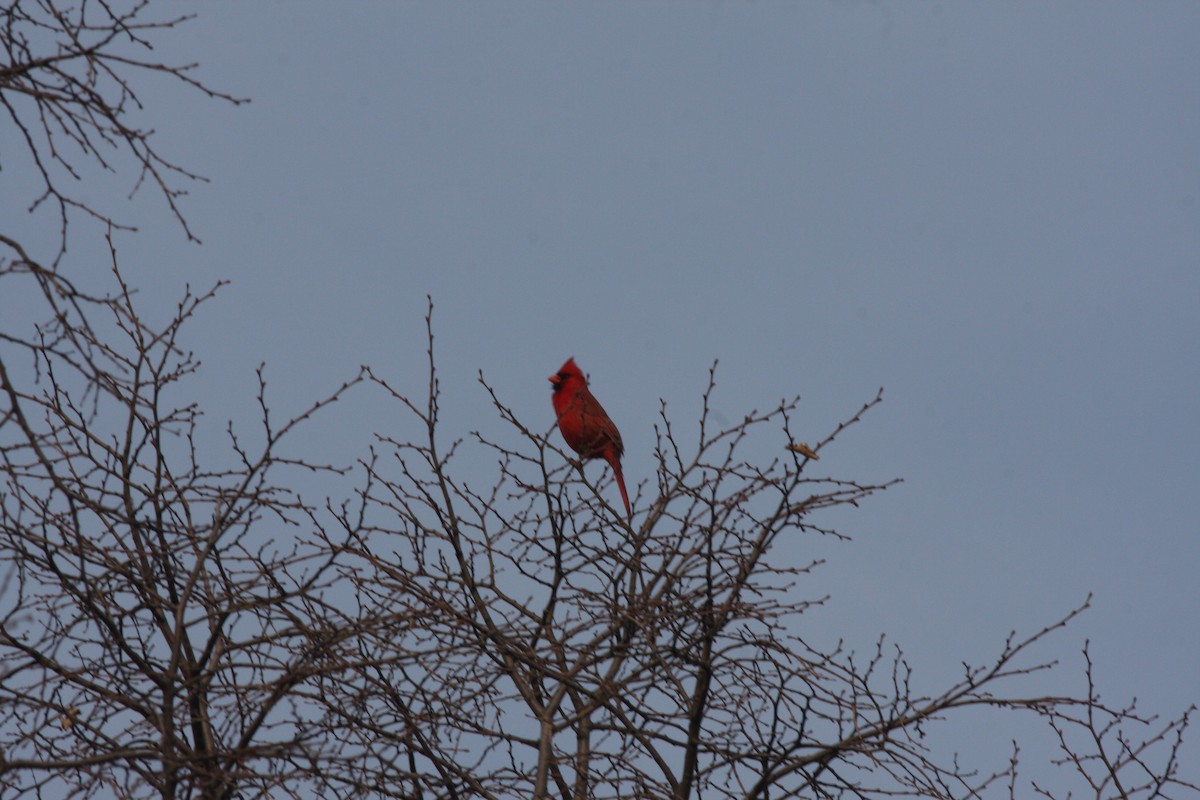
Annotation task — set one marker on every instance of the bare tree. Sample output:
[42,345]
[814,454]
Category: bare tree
[180,623]
[177,620]
[551,649]
[156,612]
[69,87]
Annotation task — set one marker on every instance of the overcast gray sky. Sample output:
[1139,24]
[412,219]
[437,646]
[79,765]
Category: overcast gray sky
[988,208]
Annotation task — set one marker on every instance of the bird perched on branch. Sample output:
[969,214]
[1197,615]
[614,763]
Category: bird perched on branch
[585,426]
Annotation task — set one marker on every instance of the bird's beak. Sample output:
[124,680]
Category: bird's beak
[554,379]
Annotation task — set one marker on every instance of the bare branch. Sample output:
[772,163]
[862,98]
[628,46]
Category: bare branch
[68,85]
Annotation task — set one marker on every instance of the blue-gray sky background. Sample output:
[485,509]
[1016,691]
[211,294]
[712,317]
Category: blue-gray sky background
[988,208]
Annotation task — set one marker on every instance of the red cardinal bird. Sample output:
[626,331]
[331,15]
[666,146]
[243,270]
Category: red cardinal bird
[584,425]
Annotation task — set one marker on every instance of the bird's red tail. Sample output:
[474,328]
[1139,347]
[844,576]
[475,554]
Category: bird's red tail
[616,465]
